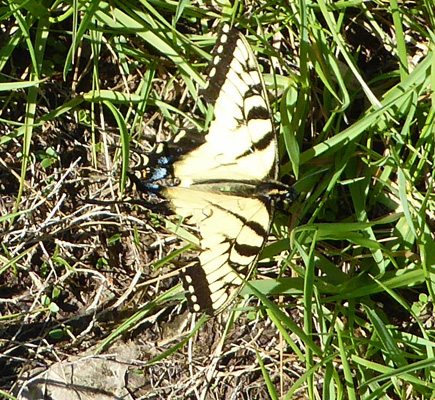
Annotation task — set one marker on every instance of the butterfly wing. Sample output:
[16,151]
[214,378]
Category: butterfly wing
[233,230]
[241,142]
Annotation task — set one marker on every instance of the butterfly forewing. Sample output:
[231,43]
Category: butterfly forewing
[241,142]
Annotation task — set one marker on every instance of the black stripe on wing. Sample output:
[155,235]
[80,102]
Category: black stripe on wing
[197,289]
[253,225]
[262,144]
[222,55]
[246,249]
[258,113]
